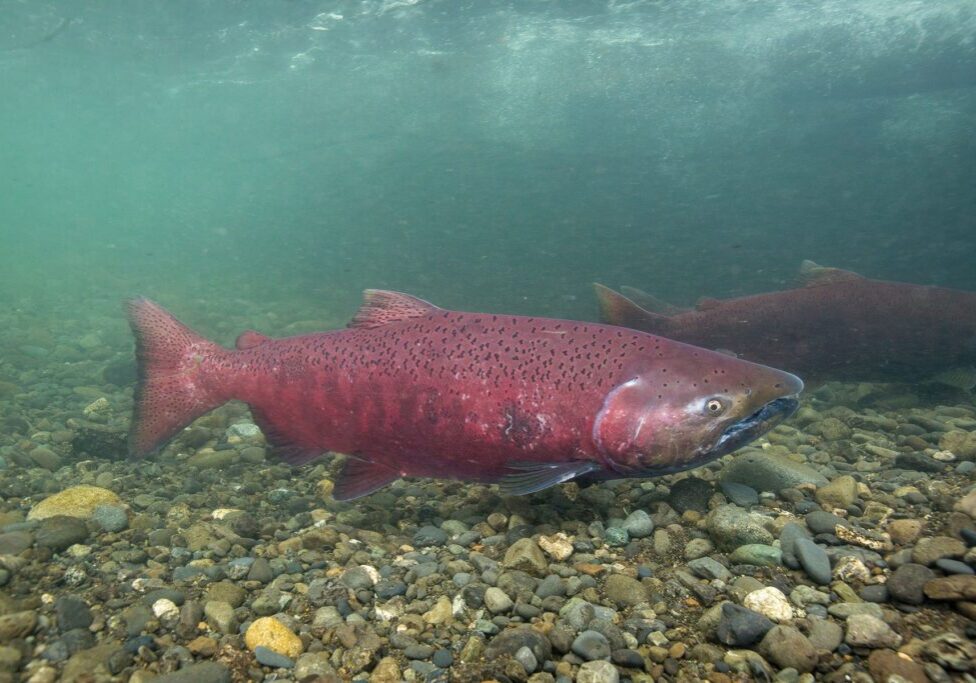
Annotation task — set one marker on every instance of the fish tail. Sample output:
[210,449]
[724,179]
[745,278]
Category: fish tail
[174,387]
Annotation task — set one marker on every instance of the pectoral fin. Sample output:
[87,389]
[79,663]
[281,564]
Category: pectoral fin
[359,478]
[529,477]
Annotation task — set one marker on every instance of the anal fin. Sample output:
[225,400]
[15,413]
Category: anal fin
[359,478]
[284,447]
[529,477]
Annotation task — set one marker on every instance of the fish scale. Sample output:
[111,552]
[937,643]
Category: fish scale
[414,390]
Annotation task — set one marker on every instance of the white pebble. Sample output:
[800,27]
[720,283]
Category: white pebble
[166,610]
[771,603]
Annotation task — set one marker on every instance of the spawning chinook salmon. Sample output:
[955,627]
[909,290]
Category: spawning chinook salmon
[413,390]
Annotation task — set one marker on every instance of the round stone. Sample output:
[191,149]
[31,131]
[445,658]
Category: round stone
[527,659]
[906,583]
[272,634]
[813,559]
[741,627]
[497,601]
[75,501]
[770,602]
[638,524]
[616,536]
[443,658]
[590,645]
[427,536]
[112,518]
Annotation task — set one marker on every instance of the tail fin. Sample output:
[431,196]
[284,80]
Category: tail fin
[172,390]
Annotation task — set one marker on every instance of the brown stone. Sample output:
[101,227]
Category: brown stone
[928,550]
[905,531]
[205,646]
[957,587]
[967,609]
[884,664]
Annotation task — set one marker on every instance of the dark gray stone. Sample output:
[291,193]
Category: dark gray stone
[625,657]
[690,493]
[787,543]
[60,532]
[708,568]
[260,571]
[823,522]
[204,672]
[72,612]
[268,657]
[953,566]
[15,542]
[551,585]
[357,578]
[443,658]
[814,560]
[876,593]
[590,645]
[905,583]
[741,627]
[509,642]
[740,494]
[390,588]
[418,651]
[428,536]
[919,462]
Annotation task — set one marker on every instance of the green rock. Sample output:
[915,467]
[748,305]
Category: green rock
[211,460]
[730,526]
[625,591]
[770,472]
[616,537]
[757,554]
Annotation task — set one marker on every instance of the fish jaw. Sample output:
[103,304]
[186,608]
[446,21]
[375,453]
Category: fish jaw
[649,426]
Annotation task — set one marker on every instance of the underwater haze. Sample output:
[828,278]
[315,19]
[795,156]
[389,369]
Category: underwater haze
[481,154]
[172,509]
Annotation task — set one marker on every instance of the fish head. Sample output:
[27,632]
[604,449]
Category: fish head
[687,406]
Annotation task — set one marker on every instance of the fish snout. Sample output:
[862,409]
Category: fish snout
[788,383]
[766,384]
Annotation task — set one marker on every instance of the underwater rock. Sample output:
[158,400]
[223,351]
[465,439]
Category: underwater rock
[786,647]
[840,493]
[270,633]
[60,532]
[526,555]
[865,630]
[770,472]
[96,441]
[731,526]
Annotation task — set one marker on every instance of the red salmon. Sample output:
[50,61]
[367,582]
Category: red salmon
[838,326]
[413,390]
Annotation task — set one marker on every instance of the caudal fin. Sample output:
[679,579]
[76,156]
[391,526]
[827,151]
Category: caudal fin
[173,387]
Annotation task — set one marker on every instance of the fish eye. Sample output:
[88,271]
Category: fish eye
[714,406]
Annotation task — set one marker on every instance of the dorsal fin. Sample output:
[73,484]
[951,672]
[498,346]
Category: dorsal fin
[381,307]
[707,303]
[649,302]
[248,339]
[813,275]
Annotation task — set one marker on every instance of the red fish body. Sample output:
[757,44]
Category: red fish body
[839,326]
[414,390]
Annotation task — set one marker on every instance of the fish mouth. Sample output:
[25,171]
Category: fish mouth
[758,423]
